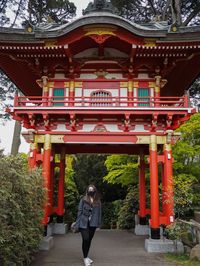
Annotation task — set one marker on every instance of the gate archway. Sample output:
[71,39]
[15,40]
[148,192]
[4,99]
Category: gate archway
[142,70]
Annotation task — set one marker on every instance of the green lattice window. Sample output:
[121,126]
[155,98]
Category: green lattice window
[58,92]
[142,93]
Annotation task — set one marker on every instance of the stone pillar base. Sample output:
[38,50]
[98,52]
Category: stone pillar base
[141,230]
[163,246]
[59,229]
[46,243]
[50,229]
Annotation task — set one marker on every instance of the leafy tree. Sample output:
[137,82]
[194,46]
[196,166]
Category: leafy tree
[71,192]
[122,169]
[187,164]
[194,93]
[7,89]
[4,4]
[91,169]
[21,210]
[187,150]
[59,11]
[126,218]
[183,193]
[174,11]
[38,12]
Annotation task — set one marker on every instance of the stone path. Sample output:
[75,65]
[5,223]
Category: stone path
[109,248]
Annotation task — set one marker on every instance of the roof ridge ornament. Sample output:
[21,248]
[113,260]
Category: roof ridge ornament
[100,6]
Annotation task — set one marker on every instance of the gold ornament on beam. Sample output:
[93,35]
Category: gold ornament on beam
[99,34]
[47,142]
[153,143]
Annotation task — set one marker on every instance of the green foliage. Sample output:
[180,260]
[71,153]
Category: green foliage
[183,195]
[177,230]
[122,169]
[180,231]
[187,150]
[110,213]
[91,169]
[126,219]
[186,153]
[50,10]
[71,192]
[194,93]
[158,10]
[21,211]
[107,214]
[182,259]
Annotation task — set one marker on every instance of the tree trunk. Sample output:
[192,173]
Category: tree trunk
[176,12]
[16,138]
[16,135]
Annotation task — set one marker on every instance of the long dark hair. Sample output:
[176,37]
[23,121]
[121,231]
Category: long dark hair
[86,198]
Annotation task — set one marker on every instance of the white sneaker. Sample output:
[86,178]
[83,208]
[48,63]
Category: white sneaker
[86,262]
[90,261]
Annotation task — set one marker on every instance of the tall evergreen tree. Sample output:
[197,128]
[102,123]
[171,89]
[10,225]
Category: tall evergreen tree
[90,169]
[34,13]
[179,12]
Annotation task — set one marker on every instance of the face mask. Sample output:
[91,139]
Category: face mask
[91,193]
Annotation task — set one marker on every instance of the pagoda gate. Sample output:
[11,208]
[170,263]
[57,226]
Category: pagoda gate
[103,84]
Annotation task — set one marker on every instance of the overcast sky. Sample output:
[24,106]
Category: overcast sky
[6,131]
[80,4]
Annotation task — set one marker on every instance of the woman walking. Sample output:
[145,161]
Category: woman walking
[88,219]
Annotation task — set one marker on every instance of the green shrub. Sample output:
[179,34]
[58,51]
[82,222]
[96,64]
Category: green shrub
[116,206]
[107,214]
[126,219]
[71,193]
[110,213]
[21,211]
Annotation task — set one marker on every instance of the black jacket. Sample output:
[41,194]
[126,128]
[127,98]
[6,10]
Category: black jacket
[87,212]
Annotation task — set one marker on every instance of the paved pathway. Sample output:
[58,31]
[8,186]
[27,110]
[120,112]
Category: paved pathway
[109,248]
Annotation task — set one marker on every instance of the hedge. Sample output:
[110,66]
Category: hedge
[21,210]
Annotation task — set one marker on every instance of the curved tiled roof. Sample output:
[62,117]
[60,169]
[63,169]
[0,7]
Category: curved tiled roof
[152,30]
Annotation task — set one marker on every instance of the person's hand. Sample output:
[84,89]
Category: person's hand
[98,228]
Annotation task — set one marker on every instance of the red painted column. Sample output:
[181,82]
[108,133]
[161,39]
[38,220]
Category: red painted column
[32,156]
[154,191]
[47,175]
[61,187]
[130,93]
[52,185]
[71,92]
[157,90]
[168,204]
[163,188]
[142,191]
[45,90]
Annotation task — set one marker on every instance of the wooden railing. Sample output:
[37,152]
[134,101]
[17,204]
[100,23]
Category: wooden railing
[106,102]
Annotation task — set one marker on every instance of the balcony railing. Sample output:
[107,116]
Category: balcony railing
[105,102]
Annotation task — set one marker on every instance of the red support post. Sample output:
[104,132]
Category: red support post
[154,191]
[186,100]
[47,175]
[45,91]
[168,197]
[32,156]
[61,187]
[163,188]
[52,184]
[157,90]
[130,93]
[142,191]
[71,92]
